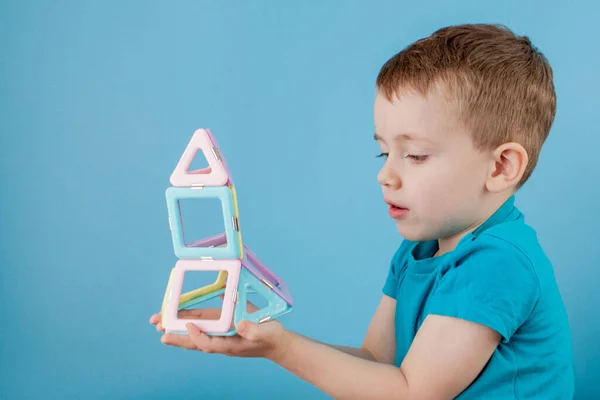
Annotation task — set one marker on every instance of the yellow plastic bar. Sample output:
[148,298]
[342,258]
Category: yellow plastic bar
[218,284]
[236,212]
[165,302]
[222,277]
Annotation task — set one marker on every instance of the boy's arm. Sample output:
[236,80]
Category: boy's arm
[379,343]
[488,298]
[446,356]
[380,339]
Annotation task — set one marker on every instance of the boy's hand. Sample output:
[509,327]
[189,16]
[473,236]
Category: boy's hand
[266,340]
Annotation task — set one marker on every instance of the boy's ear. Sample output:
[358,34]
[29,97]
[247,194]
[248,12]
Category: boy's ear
[509,161]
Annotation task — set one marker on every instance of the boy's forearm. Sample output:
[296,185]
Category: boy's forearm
[340,374]
[354,351]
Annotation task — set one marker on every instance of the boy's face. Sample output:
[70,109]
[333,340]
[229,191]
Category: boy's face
[432,178]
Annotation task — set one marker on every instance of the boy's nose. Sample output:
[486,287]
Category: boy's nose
[389,177]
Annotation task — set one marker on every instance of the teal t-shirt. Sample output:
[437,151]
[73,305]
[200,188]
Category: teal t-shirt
[500,277]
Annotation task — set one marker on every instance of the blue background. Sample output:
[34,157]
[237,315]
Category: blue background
[97,103]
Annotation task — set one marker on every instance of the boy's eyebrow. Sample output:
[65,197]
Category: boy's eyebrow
[403,136]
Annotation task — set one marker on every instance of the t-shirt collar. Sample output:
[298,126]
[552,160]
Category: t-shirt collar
[498,216]
[422,253]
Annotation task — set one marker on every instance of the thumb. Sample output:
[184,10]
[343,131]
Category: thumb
[248,330]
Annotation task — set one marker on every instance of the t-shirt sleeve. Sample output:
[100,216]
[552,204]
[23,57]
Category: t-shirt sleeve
[494,285]
[396,269]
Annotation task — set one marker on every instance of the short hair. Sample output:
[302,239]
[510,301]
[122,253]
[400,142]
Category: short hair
[502,85]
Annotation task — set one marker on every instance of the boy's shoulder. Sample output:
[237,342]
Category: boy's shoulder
[507,244]
[513,238]
[513,232]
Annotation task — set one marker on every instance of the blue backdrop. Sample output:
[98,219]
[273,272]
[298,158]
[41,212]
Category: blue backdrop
[97,103]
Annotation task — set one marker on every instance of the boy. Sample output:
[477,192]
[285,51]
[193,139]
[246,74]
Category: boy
[470,307]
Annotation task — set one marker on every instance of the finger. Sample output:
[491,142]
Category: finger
[250,307]
[248,330]
[201,340]
[203,313]
[199,313]
[155,318]
[182,341]
[193,313]
[212,344]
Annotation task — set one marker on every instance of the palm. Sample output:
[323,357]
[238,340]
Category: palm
[198,313]
[263,342]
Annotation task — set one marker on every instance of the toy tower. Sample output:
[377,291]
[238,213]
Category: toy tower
[240,272]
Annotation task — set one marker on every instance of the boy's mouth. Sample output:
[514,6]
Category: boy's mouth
[396,211]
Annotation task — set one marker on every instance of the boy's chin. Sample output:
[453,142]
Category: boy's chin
[414,234]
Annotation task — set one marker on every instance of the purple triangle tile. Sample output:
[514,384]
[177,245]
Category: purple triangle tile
[223,159]
[254,265]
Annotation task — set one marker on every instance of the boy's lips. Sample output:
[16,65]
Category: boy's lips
[396,211]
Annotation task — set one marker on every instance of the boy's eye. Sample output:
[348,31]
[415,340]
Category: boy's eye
[417,158]
[382,155]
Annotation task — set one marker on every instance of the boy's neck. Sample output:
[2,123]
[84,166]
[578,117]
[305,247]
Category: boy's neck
[490,206]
